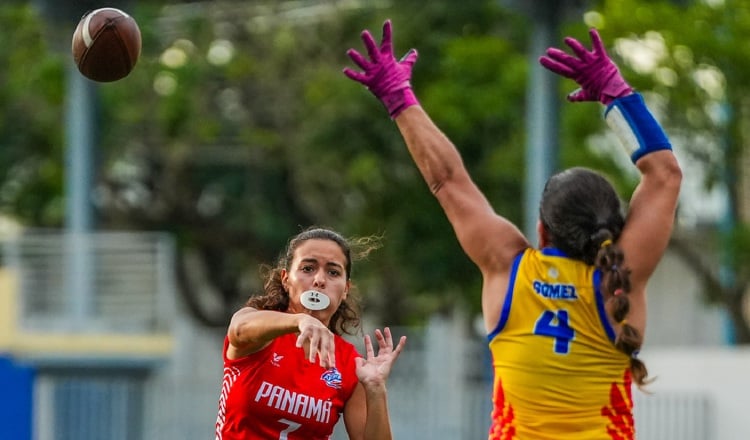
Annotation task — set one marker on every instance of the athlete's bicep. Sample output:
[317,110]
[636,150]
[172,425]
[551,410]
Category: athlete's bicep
[488,239]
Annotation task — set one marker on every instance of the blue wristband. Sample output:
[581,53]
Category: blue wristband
[636,127]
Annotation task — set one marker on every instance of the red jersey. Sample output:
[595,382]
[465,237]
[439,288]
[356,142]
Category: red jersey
[277,394]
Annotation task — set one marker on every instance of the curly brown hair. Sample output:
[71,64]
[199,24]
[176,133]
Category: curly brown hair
[346,319]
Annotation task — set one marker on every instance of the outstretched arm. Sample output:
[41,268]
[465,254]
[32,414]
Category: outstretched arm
[650,217]
[653,205]
[488,239]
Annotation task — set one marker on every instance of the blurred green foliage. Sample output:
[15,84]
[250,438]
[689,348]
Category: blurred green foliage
[237,128]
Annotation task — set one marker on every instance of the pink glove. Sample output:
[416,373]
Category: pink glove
[594,71]
[385,77]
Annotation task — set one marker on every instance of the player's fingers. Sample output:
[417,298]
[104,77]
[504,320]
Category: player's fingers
[304,343]
[596,42]
[328,353]
[557,67]
[562,57]
[301,339]
[386,339]
[400,346]
[580,95]
[410,58]
[370,45]
[577,47]
[356,76]
[314,347]
[369,352]
[358,59]
[382,343]
[386,46]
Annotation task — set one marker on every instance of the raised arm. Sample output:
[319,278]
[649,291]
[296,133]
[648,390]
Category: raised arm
[651,213]
[488,239]
[366,413]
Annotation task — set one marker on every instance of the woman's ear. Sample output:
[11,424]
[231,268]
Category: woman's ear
[542,233]
[284,275]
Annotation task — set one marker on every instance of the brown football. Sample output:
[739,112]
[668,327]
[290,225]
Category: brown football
[106,44]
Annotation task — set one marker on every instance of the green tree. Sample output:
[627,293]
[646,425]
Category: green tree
[31,99]
[693,58]
[237,128]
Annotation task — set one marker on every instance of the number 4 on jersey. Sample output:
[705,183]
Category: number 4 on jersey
[555,324]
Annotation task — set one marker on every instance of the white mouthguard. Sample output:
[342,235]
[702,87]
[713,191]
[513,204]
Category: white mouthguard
[314,300]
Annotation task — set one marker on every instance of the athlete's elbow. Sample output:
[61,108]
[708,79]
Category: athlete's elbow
[235,333]
[662,169]
[241,332]
[671,174]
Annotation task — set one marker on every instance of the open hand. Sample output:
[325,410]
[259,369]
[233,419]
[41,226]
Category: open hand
[373,370]
[598,76]
[387,78]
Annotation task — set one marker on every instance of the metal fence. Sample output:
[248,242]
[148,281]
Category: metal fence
[105,299]
[674,416]
[440,387]
[89,405]
[93,282]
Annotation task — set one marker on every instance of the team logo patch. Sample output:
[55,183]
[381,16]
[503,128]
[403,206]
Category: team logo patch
[275,359]
[332,378]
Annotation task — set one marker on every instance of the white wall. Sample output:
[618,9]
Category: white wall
[677,313]
[720,374]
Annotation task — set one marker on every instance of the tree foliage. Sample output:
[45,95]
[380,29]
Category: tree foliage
[694,60]
[237,128]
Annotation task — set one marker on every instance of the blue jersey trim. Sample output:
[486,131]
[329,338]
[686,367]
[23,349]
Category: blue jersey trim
[597,278]
[553,252]
[505,313]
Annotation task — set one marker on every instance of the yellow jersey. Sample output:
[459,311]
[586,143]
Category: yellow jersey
[557,372]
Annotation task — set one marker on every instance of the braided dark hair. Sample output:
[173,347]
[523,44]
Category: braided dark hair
[582,215]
